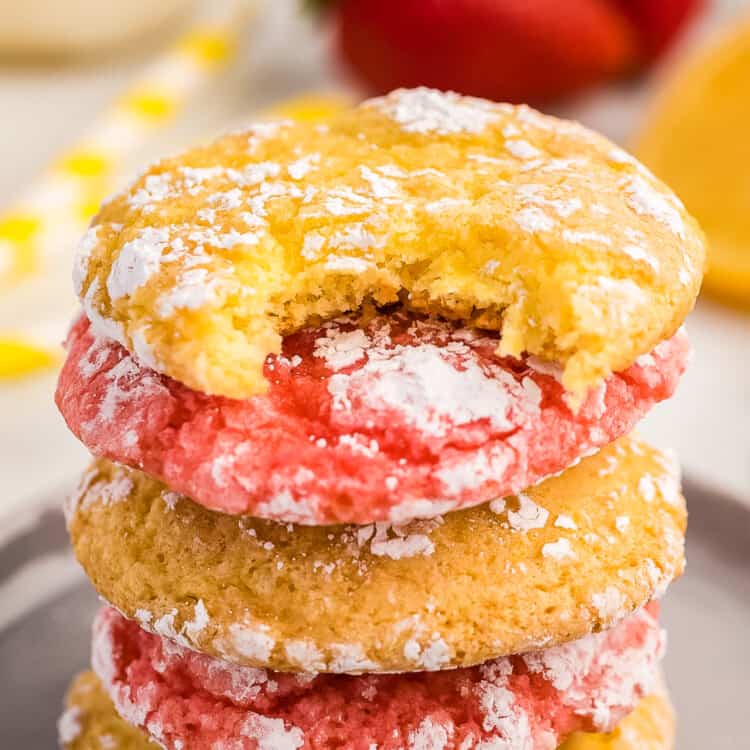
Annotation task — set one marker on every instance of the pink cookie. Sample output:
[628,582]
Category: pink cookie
[532,702]
[405,417]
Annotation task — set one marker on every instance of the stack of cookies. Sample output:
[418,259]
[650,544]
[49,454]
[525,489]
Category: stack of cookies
[361,397]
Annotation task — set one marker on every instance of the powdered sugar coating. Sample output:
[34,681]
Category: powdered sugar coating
[364,422]
[649,727]
[90,489]
[428,111]
[517,703]
[69,725]
[450,591]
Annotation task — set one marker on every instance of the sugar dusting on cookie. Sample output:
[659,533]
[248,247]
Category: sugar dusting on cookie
[433,387]
[591,683]
[386,419]
[283,226]
[94,489]
[515,540]
[69,725]
[428,111]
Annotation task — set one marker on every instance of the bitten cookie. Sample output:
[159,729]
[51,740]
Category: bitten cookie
[574,554]
[486,213]
[377,419]
[187,700]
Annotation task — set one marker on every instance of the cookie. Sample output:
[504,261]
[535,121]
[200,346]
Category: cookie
[487,213]
[95,725]
[90,721]
[651,726]
[574,554]
[535,700]
[393,418]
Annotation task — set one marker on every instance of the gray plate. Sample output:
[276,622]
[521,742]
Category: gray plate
[46,607]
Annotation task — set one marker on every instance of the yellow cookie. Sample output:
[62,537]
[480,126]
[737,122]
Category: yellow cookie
[460,207]
[90,722]
[570,556]
[650,727]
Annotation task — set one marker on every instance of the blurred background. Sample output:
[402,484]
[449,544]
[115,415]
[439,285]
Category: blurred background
[91,91]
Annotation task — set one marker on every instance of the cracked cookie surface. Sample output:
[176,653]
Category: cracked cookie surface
[390,418]
[519,702]
[487,213]
[91,722]
[574,554]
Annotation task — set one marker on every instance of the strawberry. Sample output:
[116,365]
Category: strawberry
[658,22]
[510,50]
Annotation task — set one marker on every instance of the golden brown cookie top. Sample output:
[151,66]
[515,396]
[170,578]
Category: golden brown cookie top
[486,212]
[574,554]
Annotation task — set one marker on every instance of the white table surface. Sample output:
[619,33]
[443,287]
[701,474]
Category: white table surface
[44,109]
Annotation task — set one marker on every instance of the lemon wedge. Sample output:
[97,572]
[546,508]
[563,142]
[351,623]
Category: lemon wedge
[696,140]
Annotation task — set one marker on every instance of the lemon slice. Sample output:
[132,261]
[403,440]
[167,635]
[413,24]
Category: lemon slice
[696,140]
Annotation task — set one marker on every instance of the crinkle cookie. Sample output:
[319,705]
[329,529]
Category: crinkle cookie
[95,725]
[487,213]
[393,418]
[572,555]
[650,727]
[183,699]
[90,722]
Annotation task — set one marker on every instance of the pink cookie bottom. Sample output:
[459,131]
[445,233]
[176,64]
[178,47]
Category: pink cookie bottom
[403,417]
[190,701]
